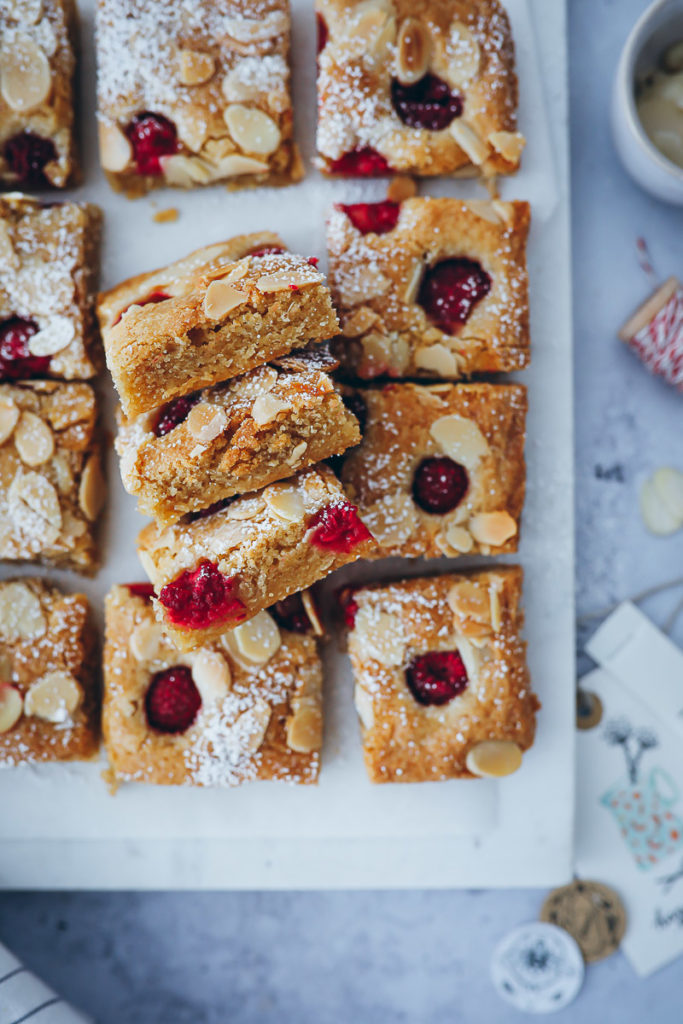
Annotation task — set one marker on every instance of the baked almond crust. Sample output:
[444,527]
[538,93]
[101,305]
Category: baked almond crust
[375,281]
[211,752]
[483,429]
[404,741]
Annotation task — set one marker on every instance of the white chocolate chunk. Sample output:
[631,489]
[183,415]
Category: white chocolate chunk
[494,759]
[54,697]
[91,490]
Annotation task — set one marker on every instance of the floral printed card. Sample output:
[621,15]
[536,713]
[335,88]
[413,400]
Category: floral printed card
[630,797]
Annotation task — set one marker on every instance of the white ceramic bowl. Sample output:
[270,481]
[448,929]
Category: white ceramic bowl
[659,26]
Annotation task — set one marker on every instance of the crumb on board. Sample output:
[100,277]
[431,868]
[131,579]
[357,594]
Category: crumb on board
[166,216]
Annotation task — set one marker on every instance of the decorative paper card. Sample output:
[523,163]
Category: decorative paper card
[630,814]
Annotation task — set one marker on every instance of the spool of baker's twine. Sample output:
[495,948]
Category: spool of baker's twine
[25,998]
[655,332]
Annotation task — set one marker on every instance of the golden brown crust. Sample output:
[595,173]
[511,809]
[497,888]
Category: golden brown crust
[41,35]
[48,274]
[57,637]
[404,741]
[51,483]
[238,437]
[165,349]
[218,72]
[208,753]
[479,426]
[375,280]
[466,43]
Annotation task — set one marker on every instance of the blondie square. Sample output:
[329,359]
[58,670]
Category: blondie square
[441,683]
[49,682]
[51,484]
[423,88]
[430,287]
[216,570]
[232,438]
[49,260]
[248,706]
[36,93]
[222,318]
[440,470]
[192,94]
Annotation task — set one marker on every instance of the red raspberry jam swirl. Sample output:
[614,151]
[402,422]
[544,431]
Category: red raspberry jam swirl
[27,155]
[16,361]
[290,614]
[439,485]
[378,218]
[450,290]
[361,163]
[172,700]
[143,590]
[200,597]
[428,103]
[174,413]
[437,677]
[151,136]
[152,297]
[338,527]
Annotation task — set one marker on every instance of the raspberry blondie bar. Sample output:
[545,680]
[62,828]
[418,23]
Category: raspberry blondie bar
[49,259]
[248,706]
[211,324]
[36,93]
[51,485]
[442,687]
[423,88]
[49,692]
[440,470]
[431,287]
[192,94]
[218,569]
[234,437]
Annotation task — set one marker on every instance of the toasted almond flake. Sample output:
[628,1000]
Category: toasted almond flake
[9,417]
[193,127]
[400,188]
[11,707]
[7,254]
[251,727]
[469,601]
[509,144]
[413,283]
[33,439]
[258,639]
[55,336]
[413,51]
[252,130]
[285,503]
[235,165]
[266,408]
[494,759]
[238,271]
[304,729]
[245,508]
[312,613]
[185,171]
[221,298]
[459,539]
[286,279]
[34,507]
[91,490]
[465,54]
[460,439]
[195,67]
[25,77]
[487,211]
[54,697]
[206,421]
[297,454]
[437,359]
[256,30]
[116,151]
[211,674]
[380,636]
[146,642]
[505,211]
[493,528]
[469,141]
[360,321]
[21,615]
[364,706]
[496,610]
[382,353]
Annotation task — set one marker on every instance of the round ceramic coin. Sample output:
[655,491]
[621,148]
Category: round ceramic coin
[538,968]
[592,913]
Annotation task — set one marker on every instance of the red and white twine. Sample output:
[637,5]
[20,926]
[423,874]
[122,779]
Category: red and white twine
[660,342]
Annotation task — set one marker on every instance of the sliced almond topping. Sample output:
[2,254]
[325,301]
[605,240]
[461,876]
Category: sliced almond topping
[146,641]
[91,490]
[9,416]
[25,78]
[195,67]
[252,130]
[33,439]
[235,165]
[304,729]
[487,211]
[413,51]
[11,707]
[211,675]
[220,298]
[206,421]
[297,454]
[238,272]
[494,759]
[505,211]
[413,283]
[470,143]
[382,354]
[459,539]
[7,253]
[116,151]
[380,636]
[54,697]
[185,171]
[285,503]
[258,639]
[400,188]
[312,613]
[509,144]
[34,507]
[496,610]
[54,337]
[493,528]
[392,519]
[245,508]
[364,706]
[21,616]
[286,279]
[460,439]
[437,359]
[360,321]
[470,602]
[266,408]
[251,726]
[464,54]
